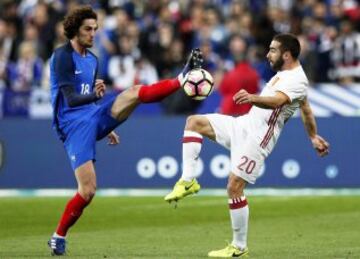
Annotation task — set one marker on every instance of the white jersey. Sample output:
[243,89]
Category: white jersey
[265,125]
[251,137]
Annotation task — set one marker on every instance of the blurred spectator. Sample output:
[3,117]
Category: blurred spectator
[44,18]
[31,34]
[103,46]
[6,42]
[283,5]
[145,72]
[121,19]
[60,38]
[256,57]
[212,29]
[177,103]
[280,19]
[157,46]
[122,70]
[173,58]
[129,68]
[9,12]
[262,30]
[242,76]
[346,55]
[351,9]
[3,70]
[324,46]
[308,59]
[27,71]
[164,31]
[9,38]
[212,62]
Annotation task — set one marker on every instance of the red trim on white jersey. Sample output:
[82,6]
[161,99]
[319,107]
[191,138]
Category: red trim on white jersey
[270,132]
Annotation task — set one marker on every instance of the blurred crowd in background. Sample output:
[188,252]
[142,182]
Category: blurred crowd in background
[140,42]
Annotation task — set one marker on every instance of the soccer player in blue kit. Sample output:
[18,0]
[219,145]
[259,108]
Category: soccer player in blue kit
[79,120]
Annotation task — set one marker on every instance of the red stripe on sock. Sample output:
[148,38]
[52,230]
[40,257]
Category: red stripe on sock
[192,139]
[72,213]
[158,91]
[237,204]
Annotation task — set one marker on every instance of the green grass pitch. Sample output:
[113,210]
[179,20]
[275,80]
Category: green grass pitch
[147,227]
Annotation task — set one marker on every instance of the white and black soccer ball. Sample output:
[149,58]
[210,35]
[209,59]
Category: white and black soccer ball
[198,84]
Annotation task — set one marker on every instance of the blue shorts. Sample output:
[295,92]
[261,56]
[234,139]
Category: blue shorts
[82,134]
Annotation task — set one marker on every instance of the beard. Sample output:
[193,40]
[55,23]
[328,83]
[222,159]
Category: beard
[277,65]
[85,44]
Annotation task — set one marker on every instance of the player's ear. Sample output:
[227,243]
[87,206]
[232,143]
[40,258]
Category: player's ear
[286,55]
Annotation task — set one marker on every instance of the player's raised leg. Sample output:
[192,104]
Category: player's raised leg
[196,127]
[86,179]
[239,214]
[127,101]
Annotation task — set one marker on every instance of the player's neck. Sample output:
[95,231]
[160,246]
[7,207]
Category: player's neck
[290,65]
[78,48]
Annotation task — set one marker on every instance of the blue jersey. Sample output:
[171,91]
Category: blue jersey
[68,67]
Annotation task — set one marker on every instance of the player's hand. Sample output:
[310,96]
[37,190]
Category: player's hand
[100,88]
[113,138]
[242,97]
[321,145]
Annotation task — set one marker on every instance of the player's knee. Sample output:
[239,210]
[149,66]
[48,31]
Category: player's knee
[235,186]
[89,193]
[115,110]
[231,190]
[194,123]
[134,91]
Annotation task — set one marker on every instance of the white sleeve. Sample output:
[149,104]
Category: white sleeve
[294,89]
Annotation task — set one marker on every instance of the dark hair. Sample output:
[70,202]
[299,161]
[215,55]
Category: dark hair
[74,19]
[288,42]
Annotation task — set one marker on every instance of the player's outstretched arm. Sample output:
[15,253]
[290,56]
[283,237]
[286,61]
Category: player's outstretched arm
[319,143]
[265,102]
[75,99]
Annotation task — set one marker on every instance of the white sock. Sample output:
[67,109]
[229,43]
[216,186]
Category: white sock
[239,214]
[192,142]
[57,236]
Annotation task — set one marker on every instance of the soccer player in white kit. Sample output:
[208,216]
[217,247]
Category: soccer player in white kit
[250,138]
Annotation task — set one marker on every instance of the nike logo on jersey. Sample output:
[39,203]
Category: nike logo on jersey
[274,81]
[78,72]
[188,187]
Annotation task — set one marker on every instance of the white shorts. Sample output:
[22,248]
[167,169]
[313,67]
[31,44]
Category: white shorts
[247,157]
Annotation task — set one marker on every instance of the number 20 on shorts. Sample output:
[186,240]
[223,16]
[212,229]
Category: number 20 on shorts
[247,165]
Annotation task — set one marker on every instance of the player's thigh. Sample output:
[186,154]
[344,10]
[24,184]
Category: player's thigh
[125,103]
[247,160]
[85,174]
[222,126]
[80,142]
[106,123]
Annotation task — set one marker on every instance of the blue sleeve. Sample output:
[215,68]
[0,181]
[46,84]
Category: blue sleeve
[74,99]
[64,68]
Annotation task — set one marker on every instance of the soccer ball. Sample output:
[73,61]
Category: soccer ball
[198,84]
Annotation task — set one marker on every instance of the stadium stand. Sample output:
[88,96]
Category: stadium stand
[153,37]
